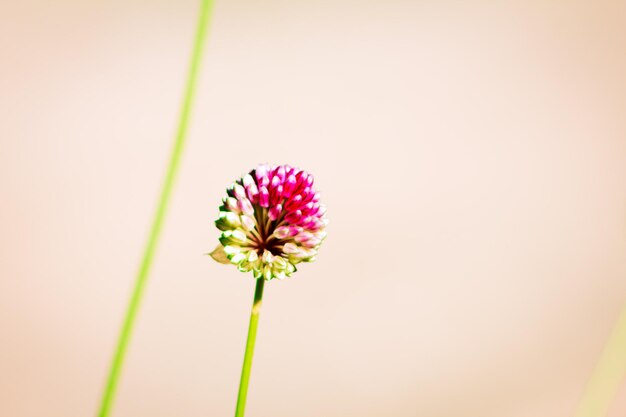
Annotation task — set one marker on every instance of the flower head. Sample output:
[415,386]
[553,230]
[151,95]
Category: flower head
[271,220]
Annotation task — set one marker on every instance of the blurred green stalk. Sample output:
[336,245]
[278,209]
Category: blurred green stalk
[108,395]
[608,375]
[247,357]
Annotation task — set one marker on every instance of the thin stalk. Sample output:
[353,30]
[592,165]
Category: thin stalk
[608,375]
[108,395]
[247,358]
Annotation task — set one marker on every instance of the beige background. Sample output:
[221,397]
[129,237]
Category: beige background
[472,156]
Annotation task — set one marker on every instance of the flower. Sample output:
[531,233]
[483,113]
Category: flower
[271,220]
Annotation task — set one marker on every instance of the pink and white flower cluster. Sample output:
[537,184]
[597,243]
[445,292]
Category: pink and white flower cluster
[271,220]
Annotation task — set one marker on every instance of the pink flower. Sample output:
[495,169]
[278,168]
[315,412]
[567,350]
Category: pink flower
[271,220]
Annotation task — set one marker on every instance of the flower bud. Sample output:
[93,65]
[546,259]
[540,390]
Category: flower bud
[227,220]
[275,211]
[264,197]
[246,206]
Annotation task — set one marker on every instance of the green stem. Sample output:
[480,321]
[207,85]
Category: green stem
[155,231]
[608,375]
[247,358]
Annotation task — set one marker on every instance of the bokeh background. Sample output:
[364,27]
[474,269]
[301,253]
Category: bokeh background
[472,156]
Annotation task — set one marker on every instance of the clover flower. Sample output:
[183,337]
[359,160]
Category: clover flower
[271,220]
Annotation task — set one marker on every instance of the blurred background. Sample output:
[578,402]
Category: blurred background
[472,156]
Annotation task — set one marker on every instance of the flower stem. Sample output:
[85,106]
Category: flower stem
[247,358]
[155,231]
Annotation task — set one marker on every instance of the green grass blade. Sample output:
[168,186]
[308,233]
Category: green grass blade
[161,210]
[608,375]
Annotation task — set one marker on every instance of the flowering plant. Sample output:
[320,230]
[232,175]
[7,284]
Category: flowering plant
[271,220]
